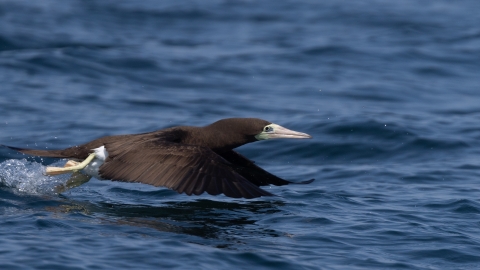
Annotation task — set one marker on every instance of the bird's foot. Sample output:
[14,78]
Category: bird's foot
[71,166]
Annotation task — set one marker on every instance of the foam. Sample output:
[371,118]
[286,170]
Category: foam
[29,177]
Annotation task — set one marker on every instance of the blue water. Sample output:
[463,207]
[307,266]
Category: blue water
[390,91]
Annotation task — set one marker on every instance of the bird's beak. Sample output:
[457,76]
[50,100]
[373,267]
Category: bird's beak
[279,132]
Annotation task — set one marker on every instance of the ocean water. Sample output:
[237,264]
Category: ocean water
[389,90]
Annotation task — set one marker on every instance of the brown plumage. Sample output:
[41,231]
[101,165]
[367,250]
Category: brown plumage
[190,160]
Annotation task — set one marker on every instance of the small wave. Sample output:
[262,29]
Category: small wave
[328,50]
[6,44]
[28,177]
[463,206]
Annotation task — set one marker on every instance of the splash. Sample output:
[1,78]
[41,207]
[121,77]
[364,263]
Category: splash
[29,177]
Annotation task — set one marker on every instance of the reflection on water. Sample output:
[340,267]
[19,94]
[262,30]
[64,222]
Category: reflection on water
[206,219]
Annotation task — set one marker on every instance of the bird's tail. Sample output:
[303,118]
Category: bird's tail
[41,153]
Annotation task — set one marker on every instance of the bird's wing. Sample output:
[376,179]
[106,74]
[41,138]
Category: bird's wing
[183,168]
[253,173]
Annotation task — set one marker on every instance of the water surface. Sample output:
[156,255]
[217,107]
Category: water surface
[388,90]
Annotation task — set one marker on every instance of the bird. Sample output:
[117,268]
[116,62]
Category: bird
[187,159]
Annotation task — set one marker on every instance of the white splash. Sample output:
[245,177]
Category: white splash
[29,177]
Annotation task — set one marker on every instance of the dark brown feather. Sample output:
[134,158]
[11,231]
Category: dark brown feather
[186,169]
[252,172]
[35,152]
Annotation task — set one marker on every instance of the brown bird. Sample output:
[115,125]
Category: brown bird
[189,160]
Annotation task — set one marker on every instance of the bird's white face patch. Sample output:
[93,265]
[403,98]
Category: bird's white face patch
[101,155]
[267,130]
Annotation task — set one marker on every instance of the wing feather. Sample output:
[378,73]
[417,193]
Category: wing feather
[200,185]
[253,173]
[186,169]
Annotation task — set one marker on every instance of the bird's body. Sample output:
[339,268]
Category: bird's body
[187,159]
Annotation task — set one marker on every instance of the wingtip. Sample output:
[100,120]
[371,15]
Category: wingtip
[18,149]
[35,152]
[10,147]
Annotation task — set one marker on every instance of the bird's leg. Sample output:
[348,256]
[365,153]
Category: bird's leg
[75,180]
[74,168]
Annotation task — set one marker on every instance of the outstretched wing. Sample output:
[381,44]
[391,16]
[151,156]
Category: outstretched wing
[253,173]
[183,168]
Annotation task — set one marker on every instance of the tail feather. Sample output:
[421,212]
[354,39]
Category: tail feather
[41,153]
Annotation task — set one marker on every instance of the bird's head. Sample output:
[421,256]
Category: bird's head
[256,129]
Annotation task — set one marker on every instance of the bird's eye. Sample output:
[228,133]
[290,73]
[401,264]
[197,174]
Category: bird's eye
[267,128]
